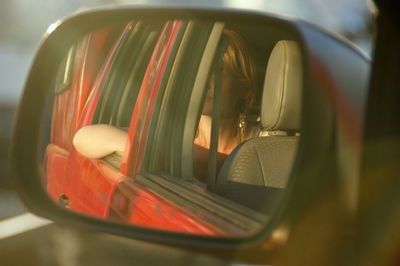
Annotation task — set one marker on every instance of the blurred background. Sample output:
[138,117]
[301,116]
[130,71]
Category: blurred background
[40,242]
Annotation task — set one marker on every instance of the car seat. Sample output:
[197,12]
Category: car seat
[257,171]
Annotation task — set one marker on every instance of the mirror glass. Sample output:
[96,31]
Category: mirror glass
[189,126]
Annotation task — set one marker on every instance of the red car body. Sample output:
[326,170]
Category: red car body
[89,185]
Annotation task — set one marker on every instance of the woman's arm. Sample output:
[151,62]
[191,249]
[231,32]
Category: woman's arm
[97,141]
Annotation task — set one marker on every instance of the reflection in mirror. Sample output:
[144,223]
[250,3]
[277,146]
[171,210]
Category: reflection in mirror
[182,125]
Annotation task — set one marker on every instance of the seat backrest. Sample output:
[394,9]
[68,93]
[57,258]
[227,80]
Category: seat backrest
[258,169]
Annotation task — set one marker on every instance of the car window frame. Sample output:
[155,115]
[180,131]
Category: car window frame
[153,84]
[167,145]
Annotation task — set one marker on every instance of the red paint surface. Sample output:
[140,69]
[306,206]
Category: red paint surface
[91,185]
[56,161]
[73,109]
[91,182]
[142,112]
[92,99]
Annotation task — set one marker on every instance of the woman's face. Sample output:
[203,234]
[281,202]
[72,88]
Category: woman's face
[231,95]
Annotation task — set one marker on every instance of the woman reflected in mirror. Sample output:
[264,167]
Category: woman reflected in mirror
[238,92]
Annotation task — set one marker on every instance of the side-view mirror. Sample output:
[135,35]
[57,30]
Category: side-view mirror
[193,127]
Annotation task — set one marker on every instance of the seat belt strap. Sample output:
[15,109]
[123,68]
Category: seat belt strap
[212,159]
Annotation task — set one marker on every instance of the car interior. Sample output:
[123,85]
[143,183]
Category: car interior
[258,169]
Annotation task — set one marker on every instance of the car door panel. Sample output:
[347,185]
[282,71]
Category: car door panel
[91,181]
[68,108]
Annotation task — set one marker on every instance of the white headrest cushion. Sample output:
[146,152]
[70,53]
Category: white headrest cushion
[281,103]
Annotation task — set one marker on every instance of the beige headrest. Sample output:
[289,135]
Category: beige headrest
[281,103]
